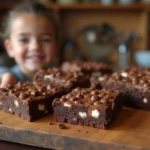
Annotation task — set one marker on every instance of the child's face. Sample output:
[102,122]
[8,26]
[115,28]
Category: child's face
[32,42]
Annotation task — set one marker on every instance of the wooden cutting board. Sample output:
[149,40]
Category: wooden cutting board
[130,130]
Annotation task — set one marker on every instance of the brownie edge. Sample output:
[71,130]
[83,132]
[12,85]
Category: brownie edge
[30,101]
[88,106]
[134,83]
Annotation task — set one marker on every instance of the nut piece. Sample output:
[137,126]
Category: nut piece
[124,74]
[10,110]
[41,107]
[102,101]
[16,103]
[83,114]
[67,105]
[95,113]
[48,77]
[100,78]
[145,100]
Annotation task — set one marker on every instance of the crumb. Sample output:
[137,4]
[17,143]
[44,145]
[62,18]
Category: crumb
[50,123]
[62,126]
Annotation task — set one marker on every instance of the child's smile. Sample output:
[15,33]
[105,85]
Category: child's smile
[32,42]
[35,58]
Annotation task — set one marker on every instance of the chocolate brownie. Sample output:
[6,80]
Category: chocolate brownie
[28,100]
[68,80]
[88,106]
[134,83]
[86,67]
[95,70]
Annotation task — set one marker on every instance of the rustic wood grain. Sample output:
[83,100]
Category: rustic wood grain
[130,130]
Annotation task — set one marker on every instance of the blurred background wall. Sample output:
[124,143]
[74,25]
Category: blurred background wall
[111,31]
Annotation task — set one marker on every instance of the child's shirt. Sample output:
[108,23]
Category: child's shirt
[15,70]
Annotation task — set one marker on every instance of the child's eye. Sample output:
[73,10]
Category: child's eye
[46,39]
[24,40]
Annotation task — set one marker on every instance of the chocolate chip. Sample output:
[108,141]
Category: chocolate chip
[79,96]
[107,97]
[77,89]
[102,94]
[88,96]
[58,74]
[94,92]
[94,98]
[68,96]
[97,103]
[63,99]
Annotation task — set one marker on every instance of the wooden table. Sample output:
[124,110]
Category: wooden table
[130,130]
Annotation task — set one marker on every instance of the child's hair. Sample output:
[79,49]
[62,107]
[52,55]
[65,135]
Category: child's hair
[32,7]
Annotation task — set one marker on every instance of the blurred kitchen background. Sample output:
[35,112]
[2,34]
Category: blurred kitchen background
[116,32]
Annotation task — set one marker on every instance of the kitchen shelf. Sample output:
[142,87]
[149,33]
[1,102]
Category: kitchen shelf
[97,6]
[87,6]
[73,17]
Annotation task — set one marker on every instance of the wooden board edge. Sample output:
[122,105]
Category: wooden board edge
[56,141]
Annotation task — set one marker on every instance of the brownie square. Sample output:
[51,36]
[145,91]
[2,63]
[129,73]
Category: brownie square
[86,67]
[68,80]
[28,100]
[134,83]
[88,106]
[96,70]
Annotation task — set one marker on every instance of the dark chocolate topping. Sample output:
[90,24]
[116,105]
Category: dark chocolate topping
[135,77]
[89,97]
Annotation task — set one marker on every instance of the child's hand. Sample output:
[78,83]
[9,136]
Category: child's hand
[6,79]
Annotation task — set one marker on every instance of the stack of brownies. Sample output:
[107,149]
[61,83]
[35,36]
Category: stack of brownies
[84,93]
